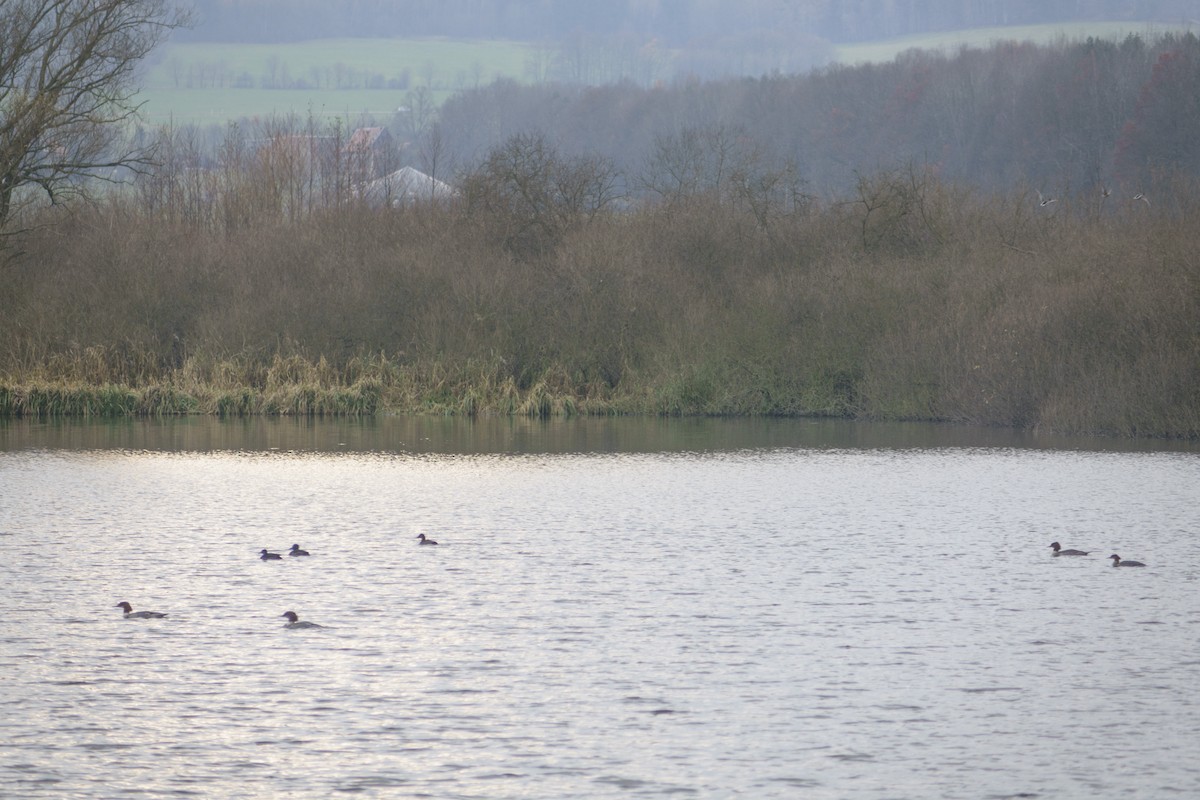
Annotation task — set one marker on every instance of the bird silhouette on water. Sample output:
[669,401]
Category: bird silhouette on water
[131,614]
[294,621]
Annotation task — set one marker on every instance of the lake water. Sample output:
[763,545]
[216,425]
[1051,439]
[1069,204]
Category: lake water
[616,608]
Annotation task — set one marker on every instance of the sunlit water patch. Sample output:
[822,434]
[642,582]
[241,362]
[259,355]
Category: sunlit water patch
[829,622]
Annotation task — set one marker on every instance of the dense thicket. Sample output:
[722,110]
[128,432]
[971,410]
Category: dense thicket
[910,299]
[256,276]
[677,22]
[1072,117]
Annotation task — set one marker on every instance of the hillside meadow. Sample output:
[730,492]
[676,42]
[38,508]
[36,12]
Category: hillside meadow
[949,41]
[206,83]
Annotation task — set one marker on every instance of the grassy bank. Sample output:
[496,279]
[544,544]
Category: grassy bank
[912,301]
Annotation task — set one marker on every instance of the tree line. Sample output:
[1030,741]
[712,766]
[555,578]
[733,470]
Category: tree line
[249,272]
[535,291]
[1094,123]
[1081,117]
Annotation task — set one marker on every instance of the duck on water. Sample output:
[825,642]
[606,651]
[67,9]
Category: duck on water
[1058,551]
[294,621]
[1119,562]
[131,614]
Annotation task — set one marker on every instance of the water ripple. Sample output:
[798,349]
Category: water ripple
[819,623]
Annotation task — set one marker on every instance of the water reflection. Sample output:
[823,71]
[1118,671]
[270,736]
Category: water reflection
[451,435]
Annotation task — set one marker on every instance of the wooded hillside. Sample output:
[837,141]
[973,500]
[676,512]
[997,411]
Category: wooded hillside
[1072,118]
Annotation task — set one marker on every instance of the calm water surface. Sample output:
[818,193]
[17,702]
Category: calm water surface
[616,609]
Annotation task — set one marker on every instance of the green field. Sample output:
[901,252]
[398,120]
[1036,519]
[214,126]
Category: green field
[888,49]
[196,83]
[220,106]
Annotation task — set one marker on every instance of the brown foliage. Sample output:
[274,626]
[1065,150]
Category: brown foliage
[913,300]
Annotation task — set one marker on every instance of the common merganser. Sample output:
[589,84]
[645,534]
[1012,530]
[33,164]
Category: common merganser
[296,551]
[424,540]
[1117,562]
[131,614]
[1058,551]
[294,621]
[269,556]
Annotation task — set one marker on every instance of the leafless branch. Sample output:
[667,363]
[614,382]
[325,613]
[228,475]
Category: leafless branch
[67,92]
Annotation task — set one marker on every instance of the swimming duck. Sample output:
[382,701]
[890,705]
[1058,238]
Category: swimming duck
[294,621]
[296,551]
[1058,551]
[269,556]
[1117,562]
[131,614]
[424,540]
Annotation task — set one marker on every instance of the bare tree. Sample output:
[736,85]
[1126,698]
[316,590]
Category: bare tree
[434,151]
[531,196]
[702,160]
[67,90]
[420,112]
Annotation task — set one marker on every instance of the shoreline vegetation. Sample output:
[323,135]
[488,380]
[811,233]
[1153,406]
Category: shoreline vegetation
[910,299]
[1023,255]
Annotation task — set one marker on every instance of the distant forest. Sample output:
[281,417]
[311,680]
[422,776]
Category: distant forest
[1078,117]
[1075,117]
[1069,119]
[675,22]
